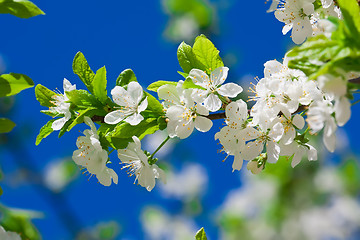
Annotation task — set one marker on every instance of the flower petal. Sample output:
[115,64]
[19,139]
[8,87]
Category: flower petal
[238,162]
[115,116]
[134,119]
[230,90]
[121,97]
[199,78]
[58,124]
[219,75]
[135,91]
[203,124]
[212,103]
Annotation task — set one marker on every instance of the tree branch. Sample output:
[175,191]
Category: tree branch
[355,80]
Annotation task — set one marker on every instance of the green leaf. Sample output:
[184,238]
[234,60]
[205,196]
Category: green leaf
[82,99]
[50,113]
[65,128]
[185,75]
[99,85]
[155,85]
[201,235]
[45,131]
[13,83]
[145,127]
[6,125]
[126,77]
[87,112]
[19,221]
[119,143]
[44,96]
[83,70]
[154,105]
[207,54]
[20,8]
[187,59]
[188,83]
[351,12]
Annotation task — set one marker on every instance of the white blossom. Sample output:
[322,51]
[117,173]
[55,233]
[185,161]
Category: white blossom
[297,151]
[296,15]
[92,156]
[130,102]
[137,163]
[62,106]
[182,113]
[290,124]
[212,87]
[7,235]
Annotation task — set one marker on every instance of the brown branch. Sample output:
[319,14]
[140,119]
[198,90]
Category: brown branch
[98,118]
[215,116]
[355,80]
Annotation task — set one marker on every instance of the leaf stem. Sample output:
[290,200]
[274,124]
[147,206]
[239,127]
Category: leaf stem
[355,102]
[161,145]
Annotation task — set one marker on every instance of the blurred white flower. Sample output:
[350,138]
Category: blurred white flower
[59,173]
[4,235]
[187,184]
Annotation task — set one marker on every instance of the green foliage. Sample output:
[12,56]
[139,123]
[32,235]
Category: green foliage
[154,105]
[20,8]
[125,78]
[155,85]
[188,83]
[99,85]
[201,10]
[89,112]
[201,235]
[350,173]
[203,55]
[6,125]
[83,70]
[145,127]
[44,96]
[45,131]
[82,99]
[19,221]
[207,54]
[13,83]
[320,55]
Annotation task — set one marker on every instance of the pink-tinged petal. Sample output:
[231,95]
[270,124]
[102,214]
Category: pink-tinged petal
[238,162]
[134,119]
[212,103]
[199,78]
[115,116]
[135,91]
[342,111]
[219,75]
[121,97]
[58,124]
[229,90]
[298,121]
[143,105]
[203,124]
[273,151]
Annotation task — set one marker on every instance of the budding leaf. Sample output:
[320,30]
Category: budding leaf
[13,83]
[6,125]
[83,70]
[99,85]
[20,8]
[44,96]
[155,85]
[125,78]
[201,235]
[207,54]
[45,131]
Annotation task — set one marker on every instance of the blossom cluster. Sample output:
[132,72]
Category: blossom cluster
[303,19]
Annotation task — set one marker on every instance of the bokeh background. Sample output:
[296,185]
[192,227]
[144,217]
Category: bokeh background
[317,200]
